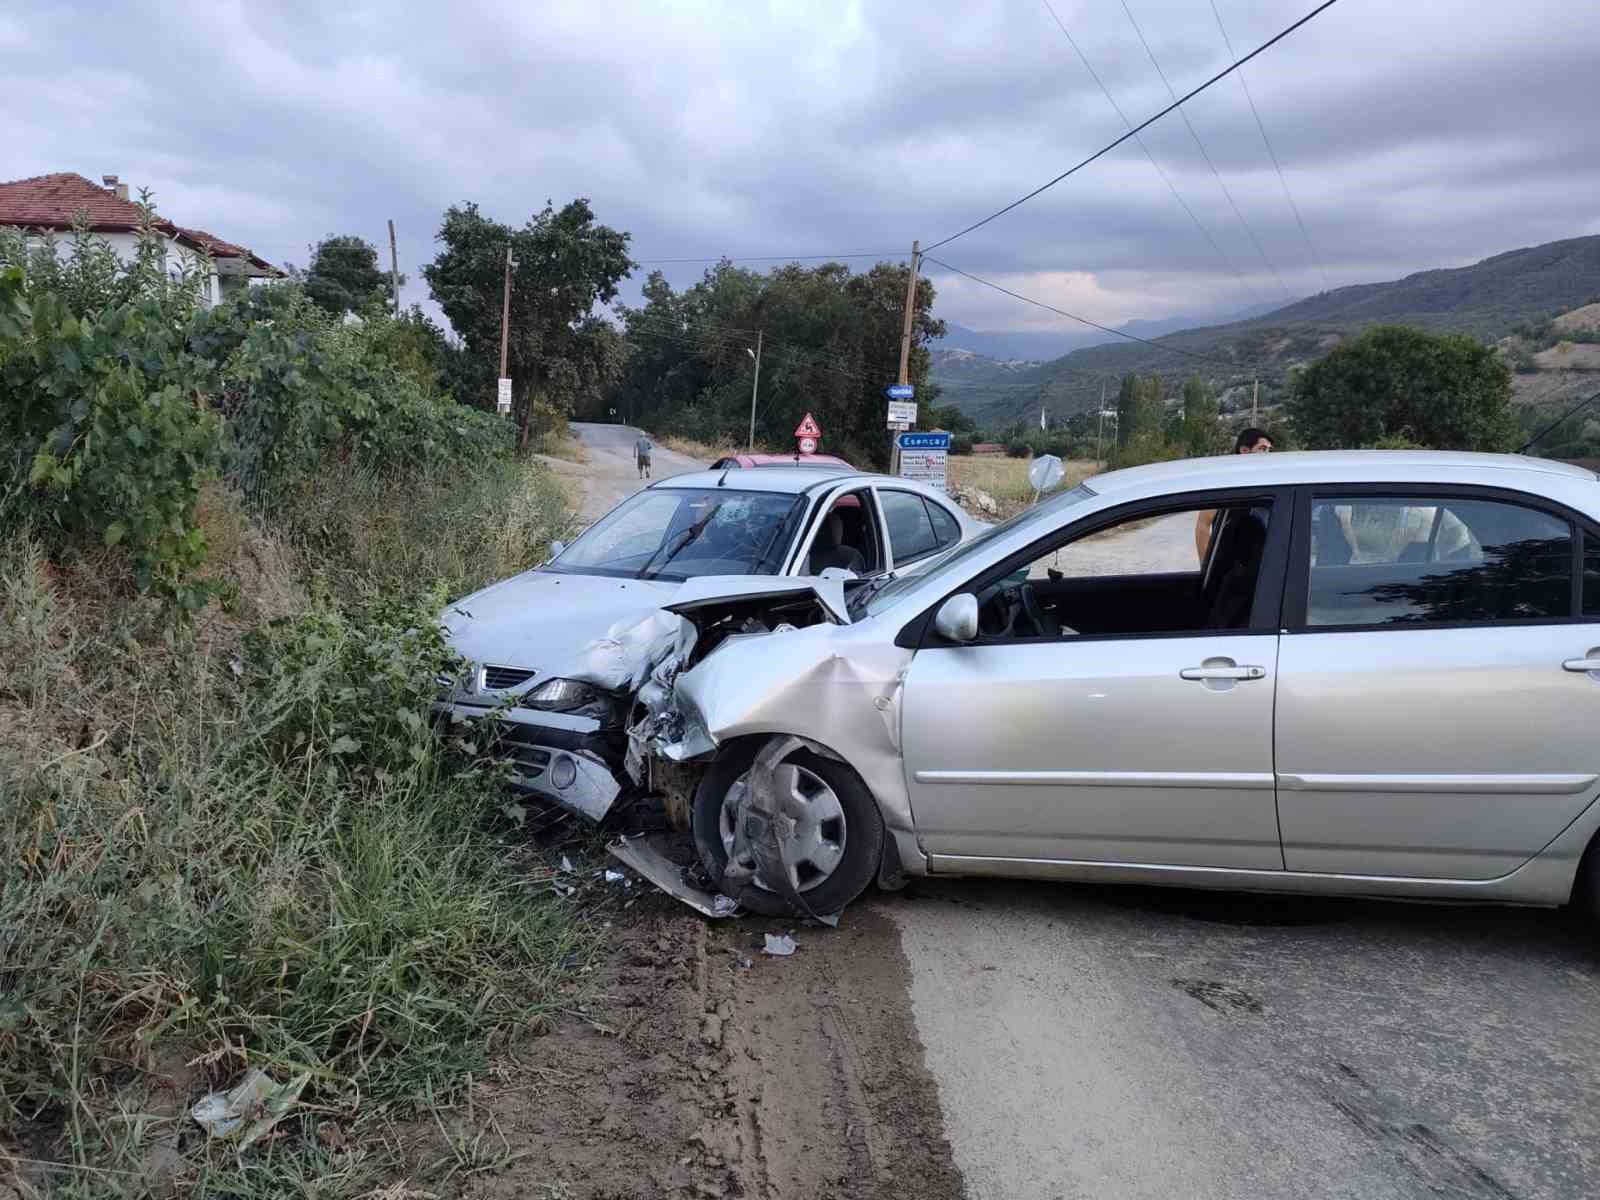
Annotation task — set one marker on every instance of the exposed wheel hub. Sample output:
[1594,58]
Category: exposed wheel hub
[816,847]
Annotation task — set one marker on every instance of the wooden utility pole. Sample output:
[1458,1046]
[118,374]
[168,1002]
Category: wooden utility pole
[905,344]
[1100,429]
[394,269]
[505,317]
[1255,397]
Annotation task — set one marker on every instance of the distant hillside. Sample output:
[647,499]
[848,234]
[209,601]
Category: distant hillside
[1488,300]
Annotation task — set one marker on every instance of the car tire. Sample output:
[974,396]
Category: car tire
[1586,887]
[863,841]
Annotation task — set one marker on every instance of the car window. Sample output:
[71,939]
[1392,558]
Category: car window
[678,533]
[910,531]
[946,529]
[1591,575]
[1405,561]
[1144,575]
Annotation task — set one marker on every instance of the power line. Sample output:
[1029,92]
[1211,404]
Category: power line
[1106,149]
[645,262]
[1571,412]
[1232,366]
[1316,259]
[1172,187]
[1201,146]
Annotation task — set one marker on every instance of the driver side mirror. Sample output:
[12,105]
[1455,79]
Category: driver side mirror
[957,618]
[556,548]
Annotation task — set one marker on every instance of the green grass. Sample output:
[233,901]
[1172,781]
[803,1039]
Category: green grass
[239,843]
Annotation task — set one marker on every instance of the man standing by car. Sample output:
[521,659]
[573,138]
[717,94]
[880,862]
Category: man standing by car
[641,455]
[1249,441]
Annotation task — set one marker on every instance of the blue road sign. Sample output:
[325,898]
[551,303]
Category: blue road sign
[924,441]
[900,391]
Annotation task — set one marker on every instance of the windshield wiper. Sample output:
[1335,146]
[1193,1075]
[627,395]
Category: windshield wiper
[686,537]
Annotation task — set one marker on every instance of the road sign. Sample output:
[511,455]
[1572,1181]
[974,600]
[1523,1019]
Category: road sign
[1045,472]
[923,457]
[808,428]
[903,412]
[502,398]
[899,426]
[900,391]
[808,445]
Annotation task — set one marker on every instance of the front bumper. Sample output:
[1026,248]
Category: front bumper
[572,761]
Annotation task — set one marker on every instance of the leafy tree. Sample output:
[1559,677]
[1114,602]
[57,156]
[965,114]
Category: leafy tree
[949,417]
[344,275]
[1140,409]
[830,343]
[1200,431]
[566,264]
[1443,391]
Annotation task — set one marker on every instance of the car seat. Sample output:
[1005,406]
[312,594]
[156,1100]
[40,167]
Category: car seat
[829,549]
[1230,584]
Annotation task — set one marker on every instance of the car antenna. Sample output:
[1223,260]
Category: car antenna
[1571,412]
[724,477]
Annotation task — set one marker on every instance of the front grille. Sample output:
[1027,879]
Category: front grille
[498,679]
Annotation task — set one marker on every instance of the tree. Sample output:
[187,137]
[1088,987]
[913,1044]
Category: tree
[344,276]
[1140,409]
[1200,431]
[565,265]
[1443,391]
[830,344]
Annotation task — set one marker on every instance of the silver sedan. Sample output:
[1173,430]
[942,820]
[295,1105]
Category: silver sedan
[1371,673]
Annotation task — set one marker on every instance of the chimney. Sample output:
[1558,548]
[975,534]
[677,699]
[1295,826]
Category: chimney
[112,185]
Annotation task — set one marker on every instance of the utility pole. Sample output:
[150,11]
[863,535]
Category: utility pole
[505,317]
[1100,430]
[754,384]
[394,269]
[1255,396]
[905,343]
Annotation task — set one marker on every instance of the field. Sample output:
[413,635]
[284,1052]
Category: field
[1006,479]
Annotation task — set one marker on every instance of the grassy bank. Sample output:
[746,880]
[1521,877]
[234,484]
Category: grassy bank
[236,842]
[1006,479]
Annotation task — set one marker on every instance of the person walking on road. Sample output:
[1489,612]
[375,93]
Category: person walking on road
[641,455]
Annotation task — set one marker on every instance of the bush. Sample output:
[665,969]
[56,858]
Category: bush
[961,445]
[1019,450]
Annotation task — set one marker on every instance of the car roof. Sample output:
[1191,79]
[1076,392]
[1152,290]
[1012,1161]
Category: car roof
[784,460]
[793,480]
[1328,466]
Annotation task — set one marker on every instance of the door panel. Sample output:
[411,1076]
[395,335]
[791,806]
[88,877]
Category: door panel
[1095,750]
[1438,753]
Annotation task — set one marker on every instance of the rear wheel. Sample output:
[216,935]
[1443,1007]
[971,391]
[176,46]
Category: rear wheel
[837,839]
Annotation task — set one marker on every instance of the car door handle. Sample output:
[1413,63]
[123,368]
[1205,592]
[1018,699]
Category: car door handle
[1223,673]
[1581,664]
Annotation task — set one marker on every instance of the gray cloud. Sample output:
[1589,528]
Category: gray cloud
[1427,133]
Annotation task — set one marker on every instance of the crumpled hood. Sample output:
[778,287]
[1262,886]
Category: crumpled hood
[542,620]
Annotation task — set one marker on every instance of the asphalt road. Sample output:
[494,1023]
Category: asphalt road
[610,476]
[1133,1042]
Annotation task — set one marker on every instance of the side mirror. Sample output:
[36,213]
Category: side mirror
[556,548]
[957,618]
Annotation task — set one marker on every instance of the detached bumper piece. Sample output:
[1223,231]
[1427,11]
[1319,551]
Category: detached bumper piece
[643,852]
[576,770]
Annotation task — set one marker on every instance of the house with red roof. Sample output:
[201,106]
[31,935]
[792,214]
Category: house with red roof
[49,203]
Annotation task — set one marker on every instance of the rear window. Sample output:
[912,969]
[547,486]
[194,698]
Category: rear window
[1591,575]
[1414,560]
[945,527]
[910,530]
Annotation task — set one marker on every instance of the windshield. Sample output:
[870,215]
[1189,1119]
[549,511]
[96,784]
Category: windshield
[877,599]
[681,533]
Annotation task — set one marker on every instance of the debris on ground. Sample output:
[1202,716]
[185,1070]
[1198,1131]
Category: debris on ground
[645,853]
[779,945]
[255,1104]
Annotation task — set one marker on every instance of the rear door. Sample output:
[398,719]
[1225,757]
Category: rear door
[1435,716]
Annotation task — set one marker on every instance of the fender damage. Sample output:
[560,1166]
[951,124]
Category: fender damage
[752,657]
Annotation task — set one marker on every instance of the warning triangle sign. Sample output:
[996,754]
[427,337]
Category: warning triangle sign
[808,428]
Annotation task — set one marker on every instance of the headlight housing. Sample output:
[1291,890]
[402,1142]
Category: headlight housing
[563,696]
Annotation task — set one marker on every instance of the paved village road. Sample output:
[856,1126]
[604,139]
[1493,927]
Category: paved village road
[610,476]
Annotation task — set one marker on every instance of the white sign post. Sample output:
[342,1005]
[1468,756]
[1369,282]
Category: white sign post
[923,457]
[902,413]
[502,399]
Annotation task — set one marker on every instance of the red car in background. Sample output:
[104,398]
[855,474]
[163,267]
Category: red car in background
[820,461]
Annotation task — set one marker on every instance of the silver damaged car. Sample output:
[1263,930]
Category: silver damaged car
[1372,673]
[558,650]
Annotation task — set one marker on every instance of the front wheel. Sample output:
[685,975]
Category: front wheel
[838,835]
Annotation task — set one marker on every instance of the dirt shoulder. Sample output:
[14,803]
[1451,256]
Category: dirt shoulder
[701,1066]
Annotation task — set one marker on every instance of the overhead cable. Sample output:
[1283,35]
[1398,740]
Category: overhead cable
[1110,146]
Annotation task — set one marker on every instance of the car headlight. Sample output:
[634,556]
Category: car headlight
[562,695]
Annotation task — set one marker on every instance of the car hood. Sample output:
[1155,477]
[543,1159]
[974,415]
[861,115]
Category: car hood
[542,620]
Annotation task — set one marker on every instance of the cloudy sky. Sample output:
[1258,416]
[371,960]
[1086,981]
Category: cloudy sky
[1412,133]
